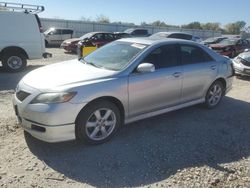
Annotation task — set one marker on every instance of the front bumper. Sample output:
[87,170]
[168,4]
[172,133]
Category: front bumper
[241,69]
[47,122]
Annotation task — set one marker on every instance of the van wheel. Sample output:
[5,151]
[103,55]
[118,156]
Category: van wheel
[98,122]
[14,62]
[214,94]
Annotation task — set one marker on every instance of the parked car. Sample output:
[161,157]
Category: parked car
[242,64]
[92,41]
[138,32]
[213,40]
[122,82]
[176,35]
[55,36]
[21,36]
[231,47]
[120,35]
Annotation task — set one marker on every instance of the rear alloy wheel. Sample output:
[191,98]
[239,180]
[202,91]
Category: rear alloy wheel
[14,62]
[214,94]
[98,122]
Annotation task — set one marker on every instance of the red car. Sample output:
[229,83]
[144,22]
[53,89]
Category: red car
[231,47]
[95,38]
[91,43]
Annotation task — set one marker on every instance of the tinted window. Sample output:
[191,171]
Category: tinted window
[98,37]
[193,54]
[162,57]
[108,36]
[67,32]
[140,32]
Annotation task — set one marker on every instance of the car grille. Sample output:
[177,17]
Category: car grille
[244,62]
[21,95]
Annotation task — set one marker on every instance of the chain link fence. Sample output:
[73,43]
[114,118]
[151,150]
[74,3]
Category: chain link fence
[82,27]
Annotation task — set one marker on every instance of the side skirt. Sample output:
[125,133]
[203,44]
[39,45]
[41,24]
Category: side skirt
[162,111]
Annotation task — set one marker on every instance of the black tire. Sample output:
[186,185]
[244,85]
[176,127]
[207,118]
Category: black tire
[9,64]
[208,102]
[82,131]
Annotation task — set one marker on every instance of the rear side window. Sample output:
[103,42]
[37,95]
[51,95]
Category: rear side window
[193,54]
[163,57]
[67,31]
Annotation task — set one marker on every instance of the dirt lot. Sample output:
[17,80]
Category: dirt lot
[192,147]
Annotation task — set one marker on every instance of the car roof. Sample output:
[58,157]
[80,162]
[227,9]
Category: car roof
[60,28]
[172,32]
[95,32]
[153,41]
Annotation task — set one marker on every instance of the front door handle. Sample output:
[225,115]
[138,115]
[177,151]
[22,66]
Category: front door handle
[177,74]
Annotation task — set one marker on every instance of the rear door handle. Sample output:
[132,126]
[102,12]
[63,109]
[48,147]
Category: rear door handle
[177,74]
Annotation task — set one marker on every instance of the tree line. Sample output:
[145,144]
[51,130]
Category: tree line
[230,28]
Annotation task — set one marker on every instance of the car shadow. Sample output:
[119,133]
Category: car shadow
[9,81]
[246,78]
[153,149]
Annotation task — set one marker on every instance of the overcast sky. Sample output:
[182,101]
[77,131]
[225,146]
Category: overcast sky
[176,12]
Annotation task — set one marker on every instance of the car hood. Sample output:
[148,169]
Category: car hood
[219,46]
[65,73]
[245,55]
[72,40]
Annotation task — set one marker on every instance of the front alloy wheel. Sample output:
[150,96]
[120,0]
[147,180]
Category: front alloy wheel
[98,122]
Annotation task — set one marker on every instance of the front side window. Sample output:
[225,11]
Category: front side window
[163,57]
[193,54]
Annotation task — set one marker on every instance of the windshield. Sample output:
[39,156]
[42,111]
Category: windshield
[88,35]
[128,30]
[114,56]
[48,30]
[228,42]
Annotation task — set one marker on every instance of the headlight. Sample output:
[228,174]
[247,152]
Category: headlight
[48,98]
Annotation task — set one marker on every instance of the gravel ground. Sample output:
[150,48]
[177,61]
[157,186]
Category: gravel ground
[192,147]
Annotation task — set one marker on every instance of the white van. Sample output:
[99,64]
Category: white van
[55,36]
[21,36]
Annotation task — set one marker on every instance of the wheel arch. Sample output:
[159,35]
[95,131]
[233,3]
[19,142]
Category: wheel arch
[112,99]
[13,49]
[224,83]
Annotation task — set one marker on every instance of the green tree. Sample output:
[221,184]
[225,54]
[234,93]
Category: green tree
[159,23]
[192,25]
[102,19]
[235,28]
[211,26]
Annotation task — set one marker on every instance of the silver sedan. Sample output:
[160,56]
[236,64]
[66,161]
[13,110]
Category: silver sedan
[124,81]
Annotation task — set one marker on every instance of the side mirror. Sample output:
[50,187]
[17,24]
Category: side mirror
[145,67]
[247,50]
